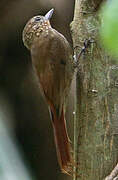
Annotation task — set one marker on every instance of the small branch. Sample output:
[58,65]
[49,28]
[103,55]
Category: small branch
[114,174]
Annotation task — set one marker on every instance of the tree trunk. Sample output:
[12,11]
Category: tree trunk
[96,122]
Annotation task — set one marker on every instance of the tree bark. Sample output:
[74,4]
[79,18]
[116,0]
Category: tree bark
[96,121]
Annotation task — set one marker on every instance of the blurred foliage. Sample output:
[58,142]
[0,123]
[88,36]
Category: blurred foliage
[12,165]
[109,29]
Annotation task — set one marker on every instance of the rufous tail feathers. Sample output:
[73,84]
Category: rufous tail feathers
[63,147]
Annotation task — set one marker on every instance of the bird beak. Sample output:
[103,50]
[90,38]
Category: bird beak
[49,14]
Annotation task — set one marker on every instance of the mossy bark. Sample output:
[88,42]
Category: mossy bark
[96,132]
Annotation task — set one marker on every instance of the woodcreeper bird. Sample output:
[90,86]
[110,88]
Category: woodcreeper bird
[52,59]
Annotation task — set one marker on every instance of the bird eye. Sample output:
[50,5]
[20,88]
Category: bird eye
[37,18]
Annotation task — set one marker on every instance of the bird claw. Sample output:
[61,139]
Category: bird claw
[86,43]
[71,170]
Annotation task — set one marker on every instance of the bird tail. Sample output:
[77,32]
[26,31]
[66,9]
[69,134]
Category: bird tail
[63,147]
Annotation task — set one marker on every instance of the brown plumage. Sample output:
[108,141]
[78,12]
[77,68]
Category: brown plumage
[52,59]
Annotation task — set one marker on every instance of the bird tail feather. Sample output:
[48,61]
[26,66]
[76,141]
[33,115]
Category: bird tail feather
[63,146]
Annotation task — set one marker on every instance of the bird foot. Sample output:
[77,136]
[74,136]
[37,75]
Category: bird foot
[86,44]
[71,170]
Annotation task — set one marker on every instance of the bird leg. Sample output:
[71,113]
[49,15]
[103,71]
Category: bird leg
[87,43]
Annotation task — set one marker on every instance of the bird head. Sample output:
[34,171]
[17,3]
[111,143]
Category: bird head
[35,26]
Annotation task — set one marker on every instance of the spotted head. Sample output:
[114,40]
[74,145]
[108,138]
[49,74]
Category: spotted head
[35,26]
